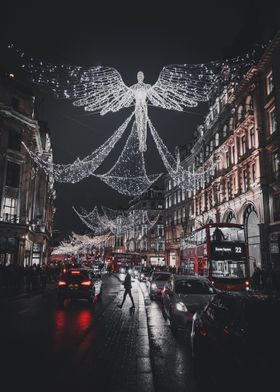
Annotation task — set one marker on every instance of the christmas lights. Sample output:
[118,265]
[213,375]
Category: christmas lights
[80,169]
[101,90]
[183,178]
[128,176]
[117,222]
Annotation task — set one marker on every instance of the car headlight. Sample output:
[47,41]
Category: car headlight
[181,307]
[154,286]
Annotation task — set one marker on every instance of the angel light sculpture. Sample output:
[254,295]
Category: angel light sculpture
[101,89]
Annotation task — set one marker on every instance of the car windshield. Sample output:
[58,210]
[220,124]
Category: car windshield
[193,287]
[162,277]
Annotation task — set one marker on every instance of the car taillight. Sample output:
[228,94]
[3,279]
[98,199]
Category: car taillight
[75,272]
[247,283]
[62,283]
[200,328]
[226,330]
[86,283]
[202,331]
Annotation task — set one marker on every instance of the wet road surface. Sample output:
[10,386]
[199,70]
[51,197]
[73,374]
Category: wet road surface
[91,348]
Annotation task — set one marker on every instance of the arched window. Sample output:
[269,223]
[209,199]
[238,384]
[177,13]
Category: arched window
[239,112]
[249,103]
[225,131]
[217,139]
[252,231]
[231,217]
[231,124]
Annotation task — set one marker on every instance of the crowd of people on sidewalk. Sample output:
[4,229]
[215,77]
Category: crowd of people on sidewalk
[267,279]
[15,278]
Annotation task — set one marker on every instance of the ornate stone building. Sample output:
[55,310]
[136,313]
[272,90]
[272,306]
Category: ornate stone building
[145,238]
[241,132]
[26,193]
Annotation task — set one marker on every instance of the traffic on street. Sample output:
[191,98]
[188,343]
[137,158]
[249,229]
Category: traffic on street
[190,337]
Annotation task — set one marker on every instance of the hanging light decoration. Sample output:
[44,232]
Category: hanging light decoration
[80,169]
[101,90]
[118,222]
[183,178]
[128,176]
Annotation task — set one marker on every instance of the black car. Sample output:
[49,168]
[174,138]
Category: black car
[235,340]
[183,295]
[75,284]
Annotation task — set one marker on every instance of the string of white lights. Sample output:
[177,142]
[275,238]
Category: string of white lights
[183,178]
[117,222]
[101,89]
[128,176]
[80,169]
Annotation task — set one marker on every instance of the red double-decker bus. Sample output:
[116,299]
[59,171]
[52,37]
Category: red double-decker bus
[219,252]
[124,259]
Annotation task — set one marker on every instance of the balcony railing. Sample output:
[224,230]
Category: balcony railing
[12,218]
[21,220]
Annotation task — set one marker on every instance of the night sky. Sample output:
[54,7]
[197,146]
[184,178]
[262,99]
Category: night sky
[136,37]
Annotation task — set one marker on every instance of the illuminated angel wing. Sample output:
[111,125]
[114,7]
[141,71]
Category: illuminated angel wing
[98,89]
[180,86]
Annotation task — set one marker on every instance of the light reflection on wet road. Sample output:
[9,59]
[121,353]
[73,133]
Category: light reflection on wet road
[171,357]
[81,347]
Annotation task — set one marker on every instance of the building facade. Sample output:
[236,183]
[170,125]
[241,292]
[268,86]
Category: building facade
[147,237]
[240,137]
[26,193]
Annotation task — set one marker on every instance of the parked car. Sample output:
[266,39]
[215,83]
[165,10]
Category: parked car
[136,271]
[236,338]
[156,283]
[184,295]
[76,284]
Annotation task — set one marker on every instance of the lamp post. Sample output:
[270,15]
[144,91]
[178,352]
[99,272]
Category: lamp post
[158,246]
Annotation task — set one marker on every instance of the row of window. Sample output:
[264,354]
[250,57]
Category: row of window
[176,197]
[228,189]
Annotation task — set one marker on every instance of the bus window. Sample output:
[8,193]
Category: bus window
[227,234]
[203,236]
[198,238]
[228,268]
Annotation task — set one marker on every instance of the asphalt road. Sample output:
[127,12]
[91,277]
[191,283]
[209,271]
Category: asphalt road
[98,348]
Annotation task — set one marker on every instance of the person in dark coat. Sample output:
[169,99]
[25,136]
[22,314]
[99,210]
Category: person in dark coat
[256,277]
[128,287]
